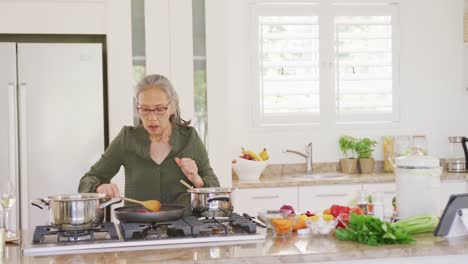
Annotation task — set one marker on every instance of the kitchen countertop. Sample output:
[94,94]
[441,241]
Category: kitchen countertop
[267,181]
[272,250]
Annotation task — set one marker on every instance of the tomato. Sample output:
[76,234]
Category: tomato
[357,210]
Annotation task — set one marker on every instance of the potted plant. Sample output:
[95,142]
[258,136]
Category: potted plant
[349,162]
[364,148]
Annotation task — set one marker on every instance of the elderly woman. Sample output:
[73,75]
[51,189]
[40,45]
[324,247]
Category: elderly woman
[157,154]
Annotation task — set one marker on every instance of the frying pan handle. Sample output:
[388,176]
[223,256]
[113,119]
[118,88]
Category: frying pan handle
[110,202]
[220,198]
[39,203]
[464,140]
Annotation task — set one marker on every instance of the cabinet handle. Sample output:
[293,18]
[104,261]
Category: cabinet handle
[265,197]
[331,195]
[13,141]
[389,192]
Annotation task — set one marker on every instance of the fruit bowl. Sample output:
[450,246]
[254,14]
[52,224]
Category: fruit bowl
[283,226]
[248,169]
[322,224]
[267,215]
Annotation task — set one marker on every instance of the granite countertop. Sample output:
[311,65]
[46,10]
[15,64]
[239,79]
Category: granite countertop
[293,249]
[288,180]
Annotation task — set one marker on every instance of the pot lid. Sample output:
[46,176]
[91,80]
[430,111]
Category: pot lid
[76,197]
[417,162]
[211,190]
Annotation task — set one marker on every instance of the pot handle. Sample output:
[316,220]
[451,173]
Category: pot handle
[39,203]
[464,141]
[220,198]
[110,202]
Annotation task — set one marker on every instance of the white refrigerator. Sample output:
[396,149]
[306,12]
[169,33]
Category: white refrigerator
[52,114]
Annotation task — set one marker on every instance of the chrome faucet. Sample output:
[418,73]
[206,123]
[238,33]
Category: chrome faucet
[307,156]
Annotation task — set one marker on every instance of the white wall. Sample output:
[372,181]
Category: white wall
[432,98]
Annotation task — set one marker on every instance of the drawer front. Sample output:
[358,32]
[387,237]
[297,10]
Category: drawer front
[253,200]
[319,198]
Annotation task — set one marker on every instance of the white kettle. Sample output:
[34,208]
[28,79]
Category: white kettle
[417,185]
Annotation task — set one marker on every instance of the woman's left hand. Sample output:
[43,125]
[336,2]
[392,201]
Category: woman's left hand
[190,170]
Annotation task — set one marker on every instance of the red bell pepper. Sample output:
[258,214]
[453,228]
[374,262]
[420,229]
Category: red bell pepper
[336,210]
[343,220]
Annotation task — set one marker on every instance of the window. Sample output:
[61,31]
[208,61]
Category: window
[333,60]
[200,121]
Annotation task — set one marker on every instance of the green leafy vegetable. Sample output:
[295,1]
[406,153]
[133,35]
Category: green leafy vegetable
[372,231]
[418,224]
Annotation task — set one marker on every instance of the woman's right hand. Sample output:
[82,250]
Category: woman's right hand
[109,189]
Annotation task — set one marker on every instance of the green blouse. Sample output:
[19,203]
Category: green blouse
[144,178]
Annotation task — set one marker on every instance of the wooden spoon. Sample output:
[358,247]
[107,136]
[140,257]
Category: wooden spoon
[186,184]
[152,205]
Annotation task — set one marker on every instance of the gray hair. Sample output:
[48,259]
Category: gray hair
[157,80]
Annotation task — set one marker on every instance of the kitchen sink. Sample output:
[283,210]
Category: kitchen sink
[324,175]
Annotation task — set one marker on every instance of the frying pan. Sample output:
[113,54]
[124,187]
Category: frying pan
[130,214]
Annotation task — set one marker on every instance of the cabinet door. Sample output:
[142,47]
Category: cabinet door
[319,198]
[252,201]
[388,190]
[61,119]
[448,188]
[8,127]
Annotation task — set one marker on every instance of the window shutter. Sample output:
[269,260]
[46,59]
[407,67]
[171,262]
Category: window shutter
[364,67]
[289,65]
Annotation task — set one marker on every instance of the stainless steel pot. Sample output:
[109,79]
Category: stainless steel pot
[211,202]
[76,211]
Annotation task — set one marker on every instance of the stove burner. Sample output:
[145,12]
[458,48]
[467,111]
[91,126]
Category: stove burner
[189,227]
[75,235]
[50,234]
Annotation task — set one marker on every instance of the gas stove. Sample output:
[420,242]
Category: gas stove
[189,227]
[186,232]
[51,235]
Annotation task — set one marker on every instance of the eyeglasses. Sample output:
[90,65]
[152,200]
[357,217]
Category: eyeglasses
[160,110]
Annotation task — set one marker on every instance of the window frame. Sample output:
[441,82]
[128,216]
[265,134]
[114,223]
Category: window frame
[328,113]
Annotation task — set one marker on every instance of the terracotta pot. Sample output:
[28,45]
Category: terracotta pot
[366,165]
[348,165]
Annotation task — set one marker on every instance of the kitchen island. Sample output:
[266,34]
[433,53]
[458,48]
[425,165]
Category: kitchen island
[294,249]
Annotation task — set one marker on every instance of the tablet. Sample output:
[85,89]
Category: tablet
[456,202]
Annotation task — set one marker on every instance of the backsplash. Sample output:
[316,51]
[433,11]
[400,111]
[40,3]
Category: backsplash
[276,170]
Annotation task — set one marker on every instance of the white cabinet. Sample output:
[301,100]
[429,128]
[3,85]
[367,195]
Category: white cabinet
[451,187]
[253,200]
[318,198]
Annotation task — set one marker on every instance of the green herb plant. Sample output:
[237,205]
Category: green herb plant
[364,147]
[347,144]
[373,232]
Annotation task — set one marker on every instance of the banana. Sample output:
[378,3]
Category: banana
[252,154]
[264,154]
[244,151]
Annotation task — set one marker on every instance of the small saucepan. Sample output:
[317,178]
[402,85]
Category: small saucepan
[211,202]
